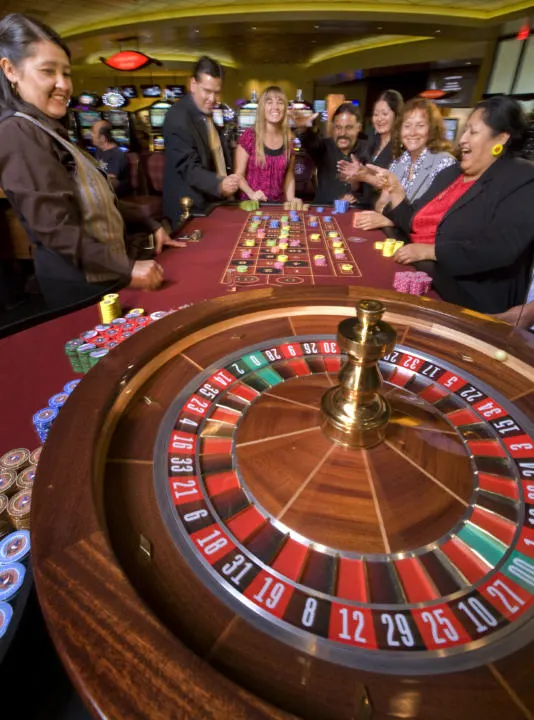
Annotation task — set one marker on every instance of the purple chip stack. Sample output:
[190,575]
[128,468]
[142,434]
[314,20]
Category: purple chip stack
[414,283]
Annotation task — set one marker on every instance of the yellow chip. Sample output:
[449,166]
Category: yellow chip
[389,248]
[379,245]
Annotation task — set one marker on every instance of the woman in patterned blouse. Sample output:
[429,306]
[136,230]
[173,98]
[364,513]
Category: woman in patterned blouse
[426,153]
[265,158]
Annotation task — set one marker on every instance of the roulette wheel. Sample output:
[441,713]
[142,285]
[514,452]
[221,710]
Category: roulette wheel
[203,548]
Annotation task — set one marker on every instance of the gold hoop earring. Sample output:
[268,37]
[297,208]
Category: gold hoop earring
[497,149]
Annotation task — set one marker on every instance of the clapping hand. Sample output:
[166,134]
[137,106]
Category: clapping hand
[302,119]
[349,171]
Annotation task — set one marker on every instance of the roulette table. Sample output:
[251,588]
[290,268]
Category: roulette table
[32,362]
[203,549]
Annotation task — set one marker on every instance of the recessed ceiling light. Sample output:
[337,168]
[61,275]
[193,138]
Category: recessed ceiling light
[438,31]
[197,30]
[469,62]
[379,27]
[254,27]
[316,27]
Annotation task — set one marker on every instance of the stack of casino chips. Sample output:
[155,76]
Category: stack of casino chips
[44,419]
[87,350]
[14,552]
[110,308]
[17,474]
[414,283]
[341,206]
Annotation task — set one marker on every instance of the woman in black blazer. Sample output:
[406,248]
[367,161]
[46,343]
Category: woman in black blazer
[476,222]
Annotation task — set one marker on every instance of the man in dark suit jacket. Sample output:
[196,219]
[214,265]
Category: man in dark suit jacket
[197,160]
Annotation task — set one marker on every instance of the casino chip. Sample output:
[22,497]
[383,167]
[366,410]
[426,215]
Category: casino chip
[19,509]
[26,478]
[15,546]
[5,524]
[58,400]
[15,459]
[69,387]
[6,613]
[11,579]
[8,480]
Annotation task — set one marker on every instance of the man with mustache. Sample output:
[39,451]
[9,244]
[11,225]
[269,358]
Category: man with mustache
[327,152]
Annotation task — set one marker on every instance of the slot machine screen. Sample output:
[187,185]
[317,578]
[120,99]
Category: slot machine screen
[157,117]
[119,137]
[174,92]
[151,91]
[451,128]
[158,142]
[218,117]
[319,106]
[129,91]
[87,118]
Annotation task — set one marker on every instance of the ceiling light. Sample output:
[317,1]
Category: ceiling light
[438,31]
[316,27]
[254,27]
[379,27]
[197,30]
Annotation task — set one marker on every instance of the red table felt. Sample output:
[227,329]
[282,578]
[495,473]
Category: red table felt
[33,364]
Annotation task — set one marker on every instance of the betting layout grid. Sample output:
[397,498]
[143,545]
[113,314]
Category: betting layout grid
[291,248]
[474,586]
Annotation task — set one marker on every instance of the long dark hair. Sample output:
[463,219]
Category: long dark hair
[395,102]
[18,33]
[503,114]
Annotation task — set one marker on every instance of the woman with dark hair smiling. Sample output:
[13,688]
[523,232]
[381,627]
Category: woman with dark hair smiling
[64,201]
[476,222]
[379,150]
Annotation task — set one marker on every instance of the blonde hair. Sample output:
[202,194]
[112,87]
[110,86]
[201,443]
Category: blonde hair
[259,126]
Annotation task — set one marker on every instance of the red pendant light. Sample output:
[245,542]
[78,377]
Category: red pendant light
[524,31]
[433,94]
[129,60]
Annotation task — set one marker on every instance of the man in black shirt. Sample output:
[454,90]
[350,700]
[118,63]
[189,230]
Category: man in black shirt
[111,158]
[327,152]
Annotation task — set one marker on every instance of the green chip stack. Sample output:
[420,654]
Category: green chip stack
[71,351]
[249,205]
[84,351]
[97,355]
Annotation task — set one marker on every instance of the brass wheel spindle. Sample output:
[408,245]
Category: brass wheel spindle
[354,412]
